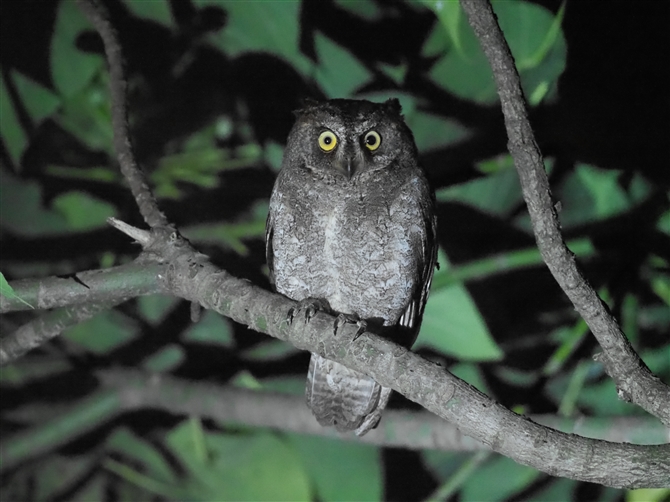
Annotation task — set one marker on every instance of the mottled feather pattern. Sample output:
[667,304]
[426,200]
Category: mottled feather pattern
[363,239]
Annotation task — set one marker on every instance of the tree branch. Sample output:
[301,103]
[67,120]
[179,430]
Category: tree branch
[98,15]
[415,430]
[633,379]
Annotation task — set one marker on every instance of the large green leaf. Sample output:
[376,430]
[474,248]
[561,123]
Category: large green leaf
[21,210]
[212,328]
[271,27]
[71,69]
[239,467]
[496,194]
[103,333]
[329,462]
[82,211]
[338,73]
[533,34]
[136,448]
[590,194]
[37,100]
[453,325]
[504,478]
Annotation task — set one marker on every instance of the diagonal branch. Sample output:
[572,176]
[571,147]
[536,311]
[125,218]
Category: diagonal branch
[98,15]
[633,379]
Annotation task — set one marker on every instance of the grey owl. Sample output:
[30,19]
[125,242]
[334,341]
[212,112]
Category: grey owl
[351,228]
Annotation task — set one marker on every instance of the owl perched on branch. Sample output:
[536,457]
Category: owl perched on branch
[351,230]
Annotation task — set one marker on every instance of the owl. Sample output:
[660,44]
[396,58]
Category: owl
[351,229]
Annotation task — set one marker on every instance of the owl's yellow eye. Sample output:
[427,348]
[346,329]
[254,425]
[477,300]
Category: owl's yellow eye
[373,140]
[327,141]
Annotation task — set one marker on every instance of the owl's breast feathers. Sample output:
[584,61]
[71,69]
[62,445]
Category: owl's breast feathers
[367,247]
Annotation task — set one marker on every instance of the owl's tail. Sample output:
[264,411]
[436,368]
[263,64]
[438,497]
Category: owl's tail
[342,397]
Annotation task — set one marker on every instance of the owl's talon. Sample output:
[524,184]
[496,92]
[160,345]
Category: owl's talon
[310,306]
[343,319]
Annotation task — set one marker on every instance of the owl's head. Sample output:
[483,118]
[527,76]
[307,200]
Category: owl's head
[346,137]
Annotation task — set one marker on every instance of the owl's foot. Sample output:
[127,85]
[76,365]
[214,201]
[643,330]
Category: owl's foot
[310,306]
[343,319]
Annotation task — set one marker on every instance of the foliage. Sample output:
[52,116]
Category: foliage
[211,91]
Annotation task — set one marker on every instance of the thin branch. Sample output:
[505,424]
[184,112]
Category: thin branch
[44,328]
[98,15]
[633,379]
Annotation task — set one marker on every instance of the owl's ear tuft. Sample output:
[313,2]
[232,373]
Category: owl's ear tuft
[306,105]
[393,106]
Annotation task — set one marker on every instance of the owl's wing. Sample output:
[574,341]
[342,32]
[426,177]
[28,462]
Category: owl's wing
[269,252]
[411,318]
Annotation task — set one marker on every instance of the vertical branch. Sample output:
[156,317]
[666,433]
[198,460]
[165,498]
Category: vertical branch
[633,379]
[98,15]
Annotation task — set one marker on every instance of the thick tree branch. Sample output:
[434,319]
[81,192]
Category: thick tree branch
[93,286]
[633,379]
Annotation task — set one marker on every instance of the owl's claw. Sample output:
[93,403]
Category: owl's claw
[343,319]
[310,306]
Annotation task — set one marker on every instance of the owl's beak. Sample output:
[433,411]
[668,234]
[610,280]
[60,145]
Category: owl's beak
[349,165]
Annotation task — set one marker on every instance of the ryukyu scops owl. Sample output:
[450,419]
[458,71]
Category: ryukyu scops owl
[351,229]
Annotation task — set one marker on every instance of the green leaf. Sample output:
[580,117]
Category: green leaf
[470,373]
[339,73]
[231,235]
[82,211]
[270,27]
[136,448]
[591,194]
[663,224]
[21,210]
[212,328]
[330,461]
[240,467]
[28,369]
[156,10]
[155,308]
[103,333]
[504,478]
[366,10]
[39,101]
[453,325]
[496,194]
[71,69]
[166,359]
[535,39]
[7,291]
[86,114]
[57,473]
[13,135]
[648,495]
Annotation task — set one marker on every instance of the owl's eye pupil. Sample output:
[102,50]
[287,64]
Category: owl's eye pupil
[372,140]
[327,140]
